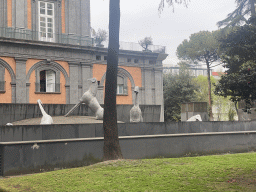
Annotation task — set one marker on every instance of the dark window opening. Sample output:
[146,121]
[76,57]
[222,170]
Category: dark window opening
[136,60]
[42,81]
[129,60]
[2,85]
[151,62]
[48,82]
[105,58]
[98,57]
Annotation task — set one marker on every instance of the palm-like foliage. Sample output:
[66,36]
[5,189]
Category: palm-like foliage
[171,3]
[244,9]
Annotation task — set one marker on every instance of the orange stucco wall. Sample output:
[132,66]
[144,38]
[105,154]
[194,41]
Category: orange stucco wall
[29,14]
[9,13]
[7,96]
[100,69]
[47,97]
[11,61]
[63,17]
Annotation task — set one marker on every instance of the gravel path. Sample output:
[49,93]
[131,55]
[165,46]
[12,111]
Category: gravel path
[61,120]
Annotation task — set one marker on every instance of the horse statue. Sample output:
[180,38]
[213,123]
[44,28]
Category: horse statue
[89,98]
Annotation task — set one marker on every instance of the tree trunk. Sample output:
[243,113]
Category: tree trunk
[111,147]
[209,89]
[253,14]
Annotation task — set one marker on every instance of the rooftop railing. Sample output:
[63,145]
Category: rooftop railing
[137,47]
[63,38]
[72,39]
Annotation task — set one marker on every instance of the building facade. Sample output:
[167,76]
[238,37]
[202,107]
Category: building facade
[47,53]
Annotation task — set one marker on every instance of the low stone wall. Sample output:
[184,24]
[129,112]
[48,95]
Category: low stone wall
[21,157]
[16,112]
[65,131]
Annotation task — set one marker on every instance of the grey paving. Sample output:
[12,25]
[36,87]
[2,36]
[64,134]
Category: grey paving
[61,120]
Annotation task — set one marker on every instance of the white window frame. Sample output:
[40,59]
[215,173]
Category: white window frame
[46,38]
[120,89]
[50,79]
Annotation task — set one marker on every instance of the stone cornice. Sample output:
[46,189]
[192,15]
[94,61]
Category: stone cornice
[30,48]
[21,59]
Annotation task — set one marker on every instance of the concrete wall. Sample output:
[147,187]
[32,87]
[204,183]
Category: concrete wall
[26,157]
[47,132]
[15,112]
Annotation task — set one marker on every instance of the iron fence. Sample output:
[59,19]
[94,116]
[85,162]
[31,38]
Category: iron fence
[137,47]
[27,34]
[73,39]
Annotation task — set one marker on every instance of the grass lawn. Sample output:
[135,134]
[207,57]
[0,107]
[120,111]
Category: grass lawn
[229,172]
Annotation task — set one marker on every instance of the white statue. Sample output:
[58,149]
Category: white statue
[46,119]
[89,98]
[195,118]
[135,112]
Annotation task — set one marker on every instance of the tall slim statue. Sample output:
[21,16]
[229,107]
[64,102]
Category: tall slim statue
[46,119]
[89,98]
[135,112]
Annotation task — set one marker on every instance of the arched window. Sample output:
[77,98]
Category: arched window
[121,86]
[122,79]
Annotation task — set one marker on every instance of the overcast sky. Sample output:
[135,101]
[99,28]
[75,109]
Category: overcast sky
[140,18]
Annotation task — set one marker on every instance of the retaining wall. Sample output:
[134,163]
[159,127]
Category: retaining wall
[65,131]
[36,156]
[15,112]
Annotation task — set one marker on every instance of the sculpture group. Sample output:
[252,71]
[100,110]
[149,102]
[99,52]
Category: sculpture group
[89,98]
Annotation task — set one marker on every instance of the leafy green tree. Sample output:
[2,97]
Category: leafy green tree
[240,85]
[239,57]
[220,104]
[178,89]
[244,9]
[202,88]
[201,47]
[111,147]
[100,36]
[238,47]
[144,43]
